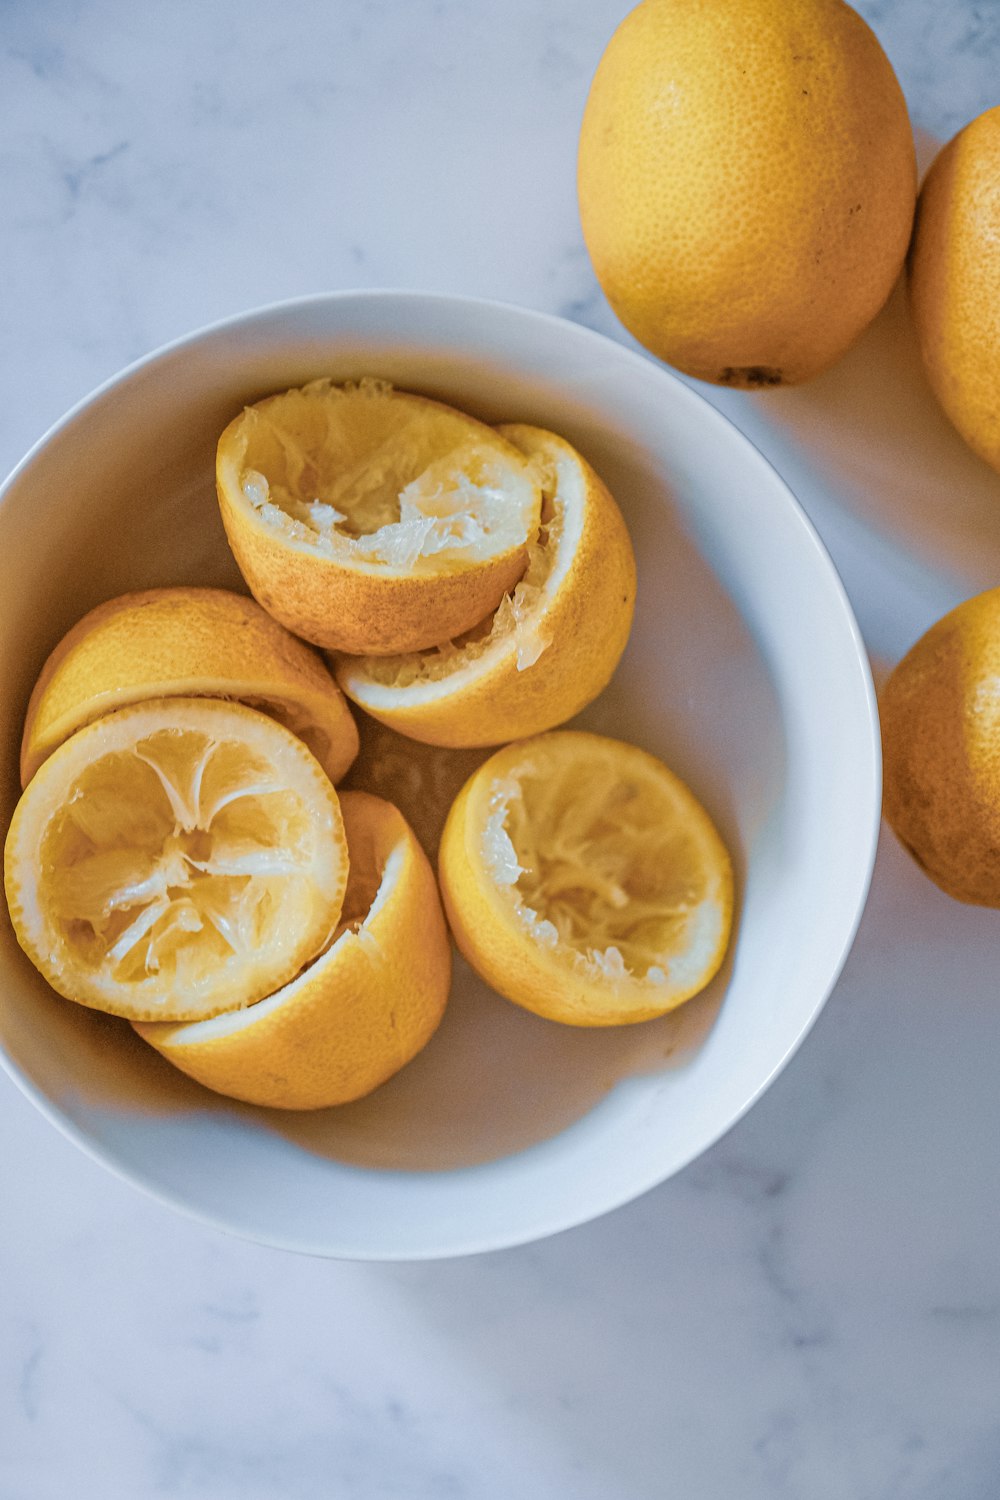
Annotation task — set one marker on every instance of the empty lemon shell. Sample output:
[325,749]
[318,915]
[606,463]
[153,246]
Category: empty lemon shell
[175,859]
[583,880]
[367,1005]
[371,520]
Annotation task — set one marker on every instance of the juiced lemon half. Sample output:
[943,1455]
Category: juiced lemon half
[371,520]
[584,881]
[176,859]
[186,643]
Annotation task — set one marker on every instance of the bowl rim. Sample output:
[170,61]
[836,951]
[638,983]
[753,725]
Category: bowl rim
[545,1224]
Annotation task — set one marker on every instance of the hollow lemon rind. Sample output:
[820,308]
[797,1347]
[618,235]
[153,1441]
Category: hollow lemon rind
[185,643]
[358,1014]
[549,979]
[360,606]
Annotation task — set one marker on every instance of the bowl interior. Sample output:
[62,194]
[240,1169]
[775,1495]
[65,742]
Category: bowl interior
[744,672]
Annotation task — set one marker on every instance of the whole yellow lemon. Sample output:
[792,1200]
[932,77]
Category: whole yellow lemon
[746,180]
[954,280]
[940,711]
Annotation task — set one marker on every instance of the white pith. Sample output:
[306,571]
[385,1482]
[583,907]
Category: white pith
[518,628]
[414,501]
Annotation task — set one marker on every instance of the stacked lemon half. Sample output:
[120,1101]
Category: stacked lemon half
[200,847]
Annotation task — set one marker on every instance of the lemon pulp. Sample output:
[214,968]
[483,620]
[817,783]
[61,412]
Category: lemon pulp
[175,857]
[519,618]
[597,873]
[357,471]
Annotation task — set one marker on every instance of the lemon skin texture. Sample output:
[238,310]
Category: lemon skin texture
[954,282]
[940,712]
[746,183]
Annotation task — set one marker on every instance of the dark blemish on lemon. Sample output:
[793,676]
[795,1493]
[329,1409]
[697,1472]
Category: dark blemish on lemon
[751,375]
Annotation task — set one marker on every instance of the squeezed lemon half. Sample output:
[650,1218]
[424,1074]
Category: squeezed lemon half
[371,520]
[584,881]
[175,859]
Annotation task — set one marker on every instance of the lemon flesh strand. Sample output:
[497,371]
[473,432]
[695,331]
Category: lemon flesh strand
[594,870]
[519,618]
[410,496]
[175,856]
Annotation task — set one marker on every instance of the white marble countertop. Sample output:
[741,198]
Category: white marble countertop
[813,1308]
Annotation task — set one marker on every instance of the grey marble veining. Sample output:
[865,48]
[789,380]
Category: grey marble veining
[813,1308]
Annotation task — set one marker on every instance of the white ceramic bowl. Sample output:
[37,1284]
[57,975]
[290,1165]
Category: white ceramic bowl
[745,672]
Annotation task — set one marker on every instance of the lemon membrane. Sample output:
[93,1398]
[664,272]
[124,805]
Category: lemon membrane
[175,859]
[548,643]
[363,473]
[369,887]
[597,874]
[520,618]
[584,881]
[362,1010]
